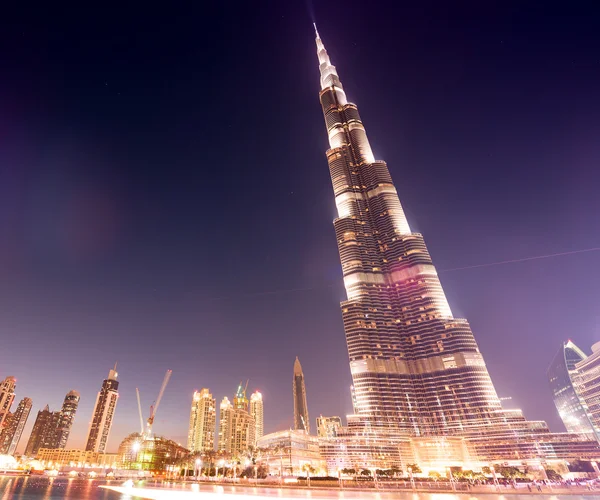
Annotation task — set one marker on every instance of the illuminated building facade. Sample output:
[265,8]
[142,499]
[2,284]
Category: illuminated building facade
[13,427]
[203,419]
[287,452]
[225,418]
[563,379]
[301,421]
[52,428]
[59,458]
[104,412]
[587,384]
[149,454]
[237,428]
[328,426]
[257,413]
[66,417]
[418,374]
[43,432]
[7,396]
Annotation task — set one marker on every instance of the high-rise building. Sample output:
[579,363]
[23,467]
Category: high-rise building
[13,429]
[587,386]
[564,382]
[7,396]
[327,426]
[301,421]
[237,428]
[417,371]
[415,366]
[43,432]
[104,412]
[225,418]
[257,413]
[203,418]
[66,418]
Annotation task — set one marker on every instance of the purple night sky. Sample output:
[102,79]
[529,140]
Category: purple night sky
[165,200]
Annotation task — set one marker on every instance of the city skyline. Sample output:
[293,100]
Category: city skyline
[488,162]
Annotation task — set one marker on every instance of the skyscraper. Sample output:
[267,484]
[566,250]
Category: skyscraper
[43,432]
[225,418]
[104,412]
[301,421]
[236,427]
[66,418]
[203,419]
[415,367]
[7,396]
[257,413]
[587,386]
[13,428]
[563,379]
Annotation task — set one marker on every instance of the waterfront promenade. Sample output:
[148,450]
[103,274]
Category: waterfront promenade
[421,491]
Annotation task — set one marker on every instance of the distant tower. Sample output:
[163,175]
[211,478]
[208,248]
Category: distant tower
[203,419]
[11,434]
[225,418]
[257,413]
[104,412]
[7,395]
[43,432]
[65,419]
[301,421]
[236,427]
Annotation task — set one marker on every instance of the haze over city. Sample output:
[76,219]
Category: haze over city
[166,201]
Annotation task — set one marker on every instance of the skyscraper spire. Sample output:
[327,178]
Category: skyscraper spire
[301,421]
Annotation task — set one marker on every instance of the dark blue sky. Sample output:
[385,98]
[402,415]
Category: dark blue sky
[165,199]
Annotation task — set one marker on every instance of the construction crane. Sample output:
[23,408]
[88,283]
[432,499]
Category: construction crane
[140,411]
[147,433]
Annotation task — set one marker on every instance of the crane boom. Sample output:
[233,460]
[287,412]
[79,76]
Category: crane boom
[154,408]
[140,410]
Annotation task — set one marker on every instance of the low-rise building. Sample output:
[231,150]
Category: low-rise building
[58,458]
[288,452]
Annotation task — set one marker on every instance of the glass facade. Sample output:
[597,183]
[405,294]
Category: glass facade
[562,377]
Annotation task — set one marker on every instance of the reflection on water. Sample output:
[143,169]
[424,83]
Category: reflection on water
[45,488]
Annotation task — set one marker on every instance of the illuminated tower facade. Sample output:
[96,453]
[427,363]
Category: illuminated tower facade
[43,432]
[415,367]
[203,419]
[13,427]
[225,422]
[7,396]
[257,413]
[104,412]
[564,384]
[65,419]
[301,421]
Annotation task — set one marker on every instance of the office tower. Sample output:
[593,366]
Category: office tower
[587,385]
[301,421]
[225,417]
[43,432]
[203,418]
[237,428]
[327,426]
[13,428]
[564,382]
[415,367]
[7,396]
[65,419]
[104,412]
[257,413]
